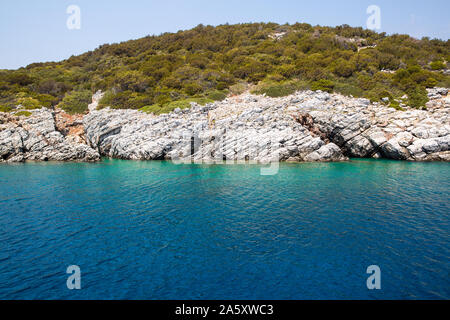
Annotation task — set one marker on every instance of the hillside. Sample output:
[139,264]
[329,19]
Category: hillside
[160,73]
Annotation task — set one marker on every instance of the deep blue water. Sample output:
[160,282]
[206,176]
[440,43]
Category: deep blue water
[156,230]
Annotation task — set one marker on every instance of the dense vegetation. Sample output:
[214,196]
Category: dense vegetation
[160,73]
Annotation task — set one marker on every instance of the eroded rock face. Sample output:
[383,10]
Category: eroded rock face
[37,138]
[362,129]
[306,126]
[243,128]
[71,126]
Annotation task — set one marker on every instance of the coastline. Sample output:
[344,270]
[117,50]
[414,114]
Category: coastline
[304,127]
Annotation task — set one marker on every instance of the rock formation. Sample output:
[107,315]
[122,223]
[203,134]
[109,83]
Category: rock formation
[36,137]
[306,126]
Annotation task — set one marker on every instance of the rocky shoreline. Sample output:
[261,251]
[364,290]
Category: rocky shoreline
[306,126]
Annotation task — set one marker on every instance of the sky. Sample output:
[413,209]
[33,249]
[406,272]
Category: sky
[36,31]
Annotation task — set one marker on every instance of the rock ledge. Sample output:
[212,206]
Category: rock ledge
[306,126]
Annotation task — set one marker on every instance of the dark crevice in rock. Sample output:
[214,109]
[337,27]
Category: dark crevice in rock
[105,150]
[6,156]
[55,123]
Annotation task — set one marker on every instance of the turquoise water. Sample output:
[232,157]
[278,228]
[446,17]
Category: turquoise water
[156,230]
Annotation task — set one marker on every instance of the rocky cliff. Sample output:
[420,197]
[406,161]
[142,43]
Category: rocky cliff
[46,135]
[306,126]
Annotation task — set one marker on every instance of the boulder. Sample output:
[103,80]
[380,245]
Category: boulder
[329,152]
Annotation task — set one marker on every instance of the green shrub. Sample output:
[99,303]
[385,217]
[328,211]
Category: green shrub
[108,99]
[343,68]
[23,113]
[125,100]
[276,78]
[385,94]
[19,78]
[417,97]
[46,100]
[29,103]
[444,83]
[5,108]
[192,88]
[221,86]
[217,95]
[76,102]
[437,65]
[278,90]
[163,99]
[349,88]
[238,88]
[431,83]
[323,85]
[169,107]
[154,108]
[132,80]
[379,92]
[52,87]
[396,105]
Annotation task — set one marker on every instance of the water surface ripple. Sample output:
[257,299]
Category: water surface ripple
[156,230]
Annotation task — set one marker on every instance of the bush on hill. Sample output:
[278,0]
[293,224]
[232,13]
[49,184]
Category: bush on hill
[169,107]
[213,61]
[324,85]
[76,102]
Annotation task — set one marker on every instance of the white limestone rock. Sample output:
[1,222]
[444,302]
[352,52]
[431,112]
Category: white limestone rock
[305,126]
